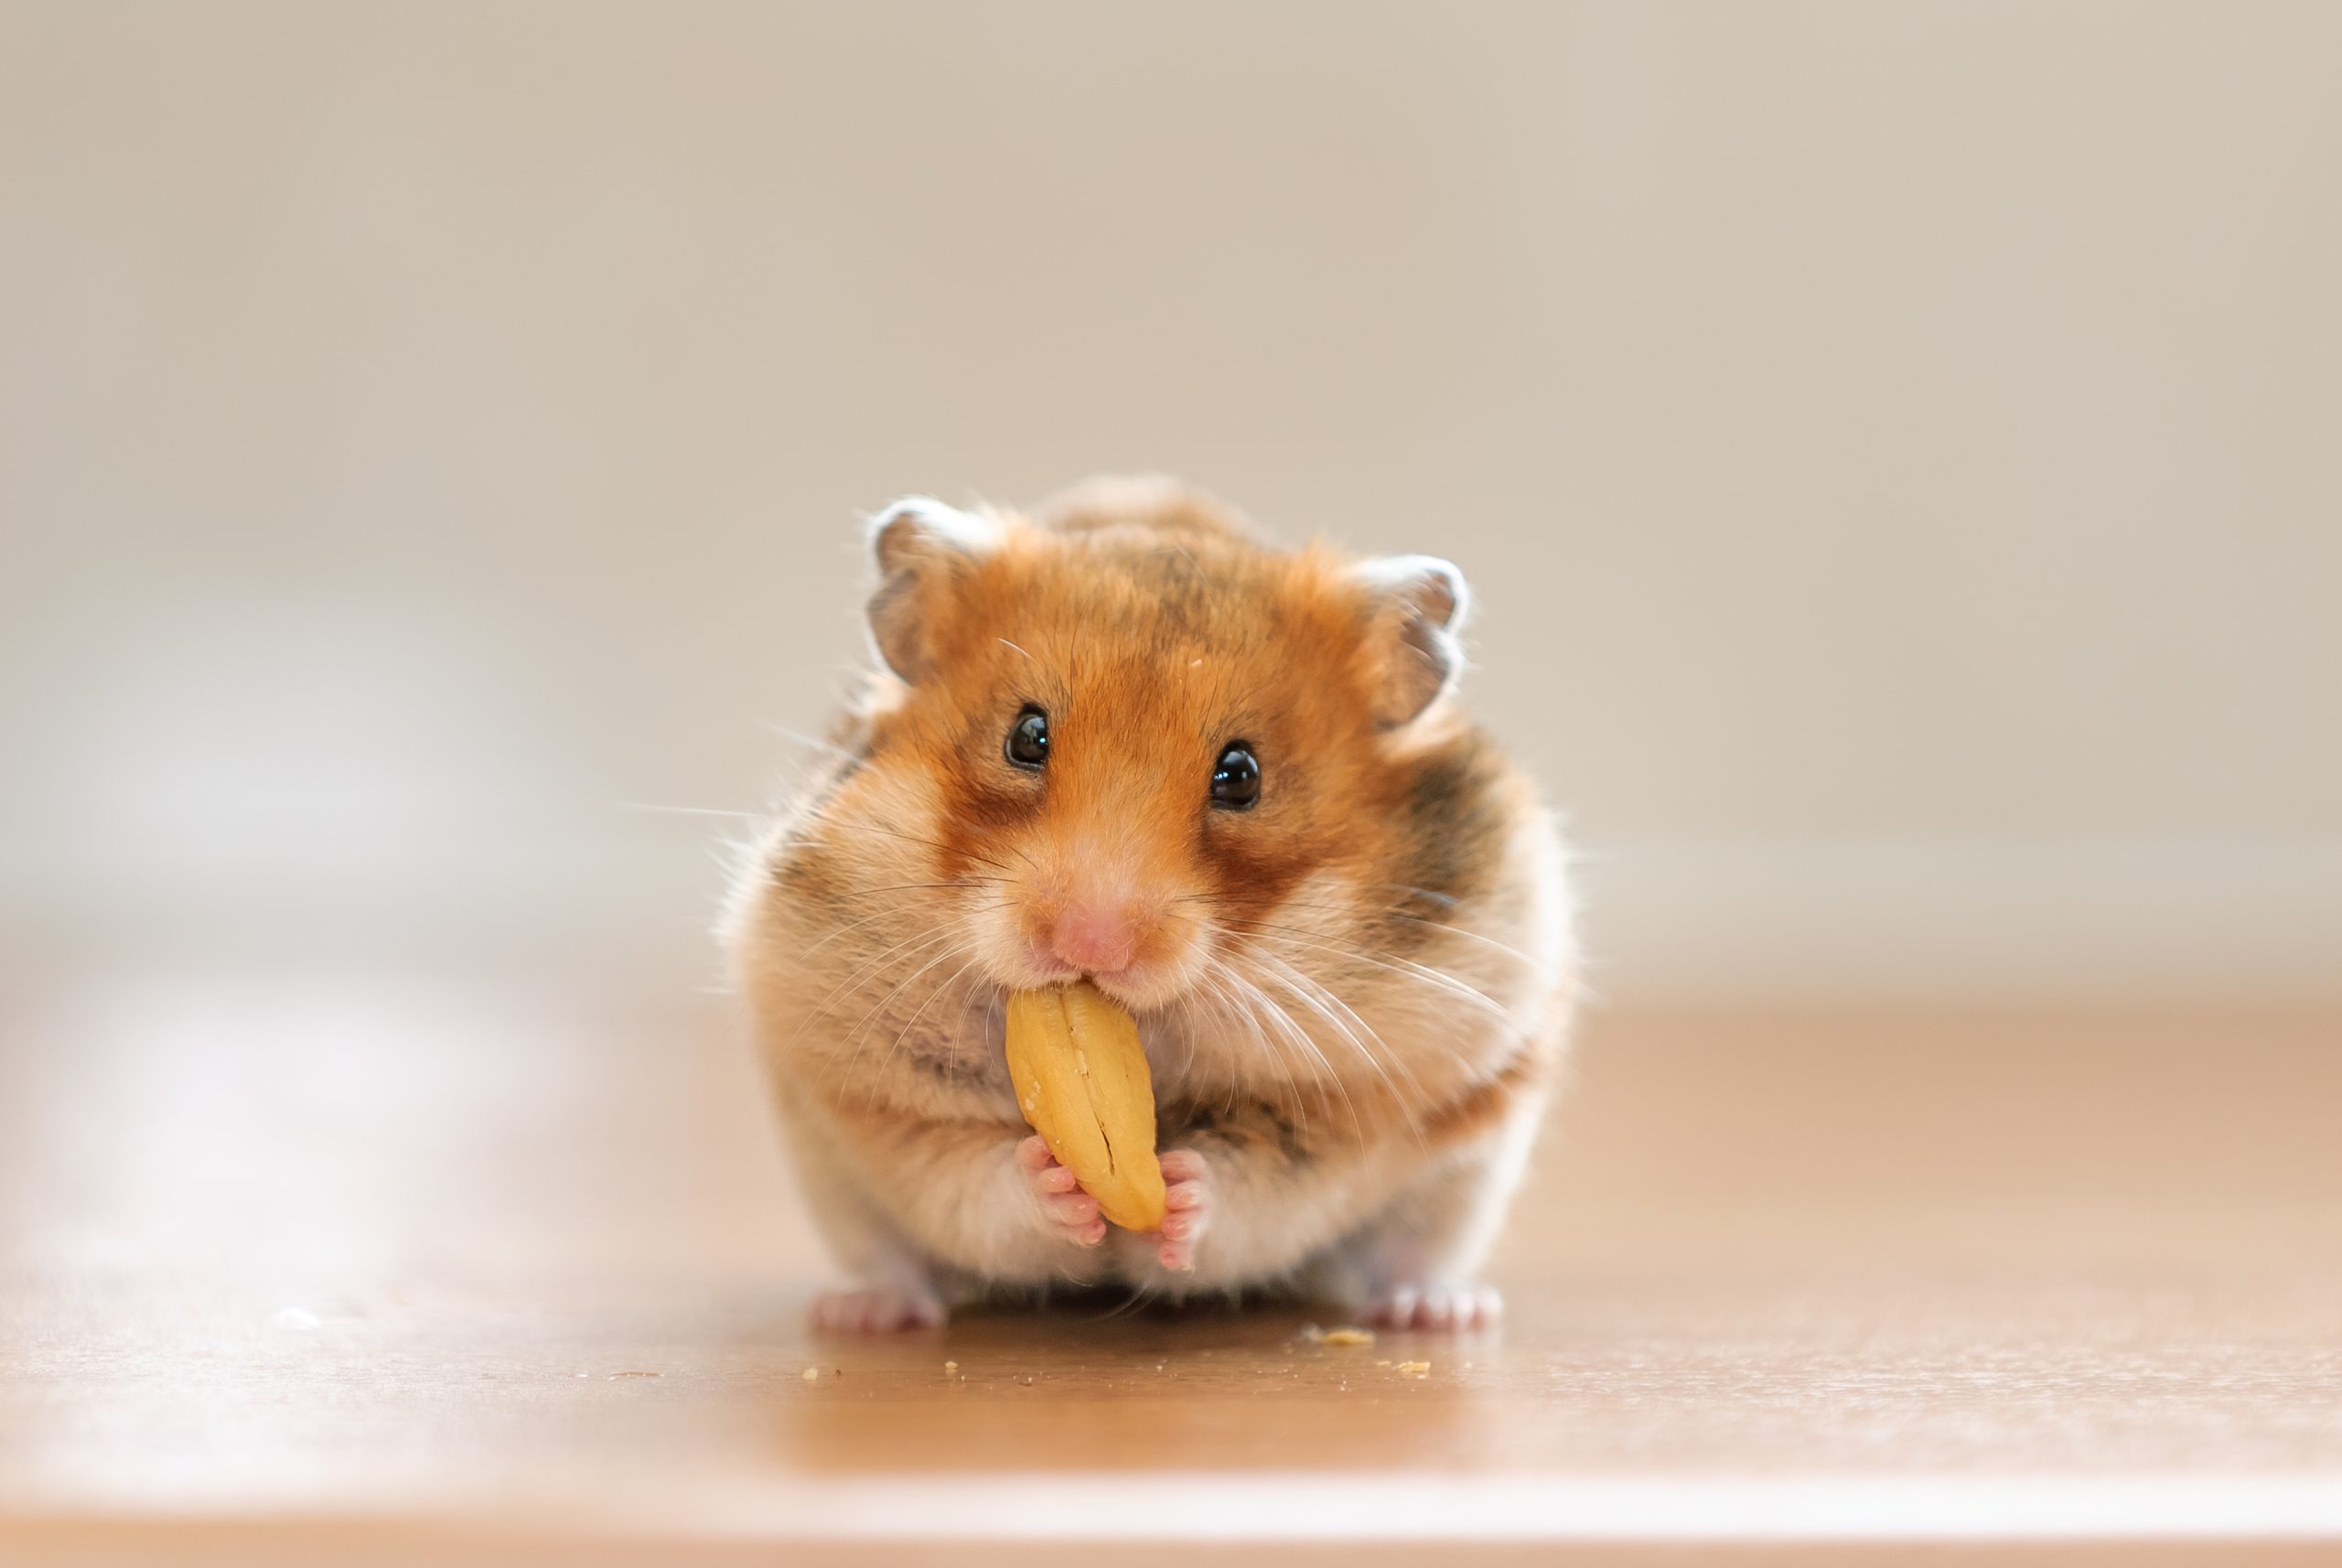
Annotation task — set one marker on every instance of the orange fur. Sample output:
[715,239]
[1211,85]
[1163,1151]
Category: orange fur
[1342,991]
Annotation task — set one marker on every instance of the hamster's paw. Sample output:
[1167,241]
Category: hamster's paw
[1443,1308]
[875,1311]
[1186,1202]
[1065,1207]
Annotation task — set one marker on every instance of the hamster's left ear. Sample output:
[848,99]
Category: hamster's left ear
[1416,605]
[920,548]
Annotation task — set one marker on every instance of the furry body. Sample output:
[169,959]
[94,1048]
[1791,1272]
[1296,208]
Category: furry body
[1353,995]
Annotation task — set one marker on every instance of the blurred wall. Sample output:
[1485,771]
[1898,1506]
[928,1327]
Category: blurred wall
[1895,446]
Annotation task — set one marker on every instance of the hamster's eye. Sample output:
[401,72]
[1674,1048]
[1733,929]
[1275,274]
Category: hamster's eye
[1029,739]
[1236,778]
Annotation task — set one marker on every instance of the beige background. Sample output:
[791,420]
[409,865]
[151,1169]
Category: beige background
[1895,446]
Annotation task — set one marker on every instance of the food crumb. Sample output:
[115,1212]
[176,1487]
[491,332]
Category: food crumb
[811,1374]
[951,1366]
[1418,1369]
[1347,1336]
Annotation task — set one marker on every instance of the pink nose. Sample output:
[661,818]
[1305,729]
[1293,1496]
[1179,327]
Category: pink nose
[1099,938]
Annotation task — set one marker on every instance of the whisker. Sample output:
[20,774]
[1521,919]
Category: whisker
[1279,1016]
[920,940]
[686,810]
[912,1022]
[950,940]
[1440,979]
[1449,899]
[1357,1123]
[816,742]
[1139,1292]
[1223,1004]
[1410,1100]
[834,825]
[1535,964]
[884,913]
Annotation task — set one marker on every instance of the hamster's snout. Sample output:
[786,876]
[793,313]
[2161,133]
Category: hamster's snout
[1095,913]
[1096,937]
[1104,933]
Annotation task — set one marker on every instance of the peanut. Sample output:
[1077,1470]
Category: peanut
[1081,1080]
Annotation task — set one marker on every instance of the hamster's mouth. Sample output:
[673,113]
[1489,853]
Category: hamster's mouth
[1140,987]
[1126,987]
[1141,977]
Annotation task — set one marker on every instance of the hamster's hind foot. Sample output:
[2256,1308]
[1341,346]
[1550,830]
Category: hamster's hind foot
[1441,1309]
[875,1311]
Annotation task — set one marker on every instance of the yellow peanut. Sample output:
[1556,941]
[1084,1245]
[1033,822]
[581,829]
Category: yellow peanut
[1082,1081]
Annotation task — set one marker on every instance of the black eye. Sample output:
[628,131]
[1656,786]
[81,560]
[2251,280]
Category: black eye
[1236,778]
[1029,739]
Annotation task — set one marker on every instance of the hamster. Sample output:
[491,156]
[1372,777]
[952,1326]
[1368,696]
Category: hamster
[1125,738]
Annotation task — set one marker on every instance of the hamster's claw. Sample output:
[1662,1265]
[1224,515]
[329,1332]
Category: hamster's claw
[1065,1207]
[1441,1308]
[875,1311]
[1187,1193]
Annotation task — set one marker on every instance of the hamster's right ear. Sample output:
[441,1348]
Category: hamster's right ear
[1418,604]
[920,547]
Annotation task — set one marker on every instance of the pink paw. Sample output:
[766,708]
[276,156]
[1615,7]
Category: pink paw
[1186,1194]
[1068,1210]
[875,1311]
[1445,1308]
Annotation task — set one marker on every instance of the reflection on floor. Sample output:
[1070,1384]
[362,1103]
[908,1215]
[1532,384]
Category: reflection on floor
[288,1266]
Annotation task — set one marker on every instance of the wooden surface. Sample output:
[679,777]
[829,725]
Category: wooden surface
[374,1269]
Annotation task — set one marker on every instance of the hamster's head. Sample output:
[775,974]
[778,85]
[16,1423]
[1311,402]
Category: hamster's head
[1115,747]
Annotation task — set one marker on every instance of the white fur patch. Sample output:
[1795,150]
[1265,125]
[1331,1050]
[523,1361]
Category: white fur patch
[1425,582]
[917,523]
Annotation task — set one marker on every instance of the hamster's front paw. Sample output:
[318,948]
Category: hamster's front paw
[1065,1207]
[1186,1202]
[1443,1309]
[876,1311]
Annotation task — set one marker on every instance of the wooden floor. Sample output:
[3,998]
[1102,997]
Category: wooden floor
[381,1270]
